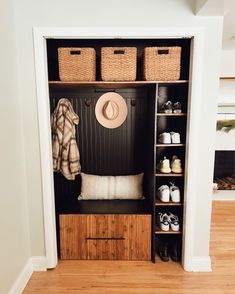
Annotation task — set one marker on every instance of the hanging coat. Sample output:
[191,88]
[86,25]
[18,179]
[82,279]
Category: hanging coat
[66,157]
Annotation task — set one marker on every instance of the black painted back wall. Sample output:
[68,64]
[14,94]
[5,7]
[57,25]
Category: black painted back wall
[120,151]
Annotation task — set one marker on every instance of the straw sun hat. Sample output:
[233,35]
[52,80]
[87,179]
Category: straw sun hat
[111,110]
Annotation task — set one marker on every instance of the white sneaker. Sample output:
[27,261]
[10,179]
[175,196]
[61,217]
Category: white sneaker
[174,222]
[177,107]
[175,138]
[164,138]
[176,165]
[174,193]
[164,166]
[163,221]
[163,193]
[167,107]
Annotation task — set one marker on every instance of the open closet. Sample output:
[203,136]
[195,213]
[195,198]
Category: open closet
[122,229]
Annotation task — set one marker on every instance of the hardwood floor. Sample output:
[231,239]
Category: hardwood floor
[110,277]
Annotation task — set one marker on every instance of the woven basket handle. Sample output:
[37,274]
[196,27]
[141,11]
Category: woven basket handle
[119,52]
[163,51]
[75,52]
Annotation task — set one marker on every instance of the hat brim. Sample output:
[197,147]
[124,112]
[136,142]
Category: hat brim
[122,107]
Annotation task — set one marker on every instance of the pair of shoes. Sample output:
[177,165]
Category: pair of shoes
[168,138]
[165,193]
[167,221]
[172,249]
[165,167]
[170,107]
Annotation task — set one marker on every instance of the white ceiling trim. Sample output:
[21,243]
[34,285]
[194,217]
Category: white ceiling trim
[209,8]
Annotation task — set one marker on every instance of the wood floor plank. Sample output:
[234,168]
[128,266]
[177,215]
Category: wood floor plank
[135,277]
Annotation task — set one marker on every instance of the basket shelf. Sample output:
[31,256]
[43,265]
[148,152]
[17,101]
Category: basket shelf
[103,84]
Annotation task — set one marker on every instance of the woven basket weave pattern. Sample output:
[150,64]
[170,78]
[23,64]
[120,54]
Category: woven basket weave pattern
[162,67]
[120,66]
[77,64]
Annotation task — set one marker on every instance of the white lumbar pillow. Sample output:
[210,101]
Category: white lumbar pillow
[110,187]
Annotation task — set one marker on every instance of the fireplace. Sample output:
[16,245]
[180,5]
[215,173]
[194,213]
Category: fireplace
[224,171]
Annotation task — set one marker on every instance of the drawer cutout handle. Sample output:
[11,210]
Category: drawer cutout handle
[77,52]
[101,238]
[162,52]
[119,52]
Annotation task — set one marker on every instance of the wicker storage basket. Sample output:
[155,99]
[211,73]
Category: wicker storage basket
[162,63]
[77,64]
[118,63]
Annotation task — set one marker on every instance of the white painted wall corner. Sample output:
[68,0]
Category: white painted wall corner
[35,263]
[39,263]
[22,279]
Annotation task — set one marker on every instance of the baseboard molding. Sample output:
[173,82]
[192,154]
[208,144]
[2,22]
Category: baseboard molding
[201,264]
[39,263]
[22,279]
[35,263]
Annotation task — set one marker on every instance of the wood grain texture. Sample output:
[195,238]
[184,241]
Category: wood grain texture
[100,277]
[107,85]
[105,236]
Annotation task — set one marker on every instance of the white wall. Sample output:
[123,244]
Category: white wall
[228,63]
[14,245]
[108,13]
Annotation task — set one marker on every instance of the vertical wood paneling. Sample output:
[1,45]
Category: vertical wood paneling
[103,151]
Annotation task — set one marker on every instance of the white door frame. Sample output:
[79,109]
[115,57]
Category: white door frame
[40,36]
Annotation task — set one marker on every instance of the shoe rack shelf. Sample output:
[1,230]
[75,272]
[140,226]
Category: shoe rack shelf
[170,203]
[158,174]
[167,122]
[171,114]
[169,145]
[158,231]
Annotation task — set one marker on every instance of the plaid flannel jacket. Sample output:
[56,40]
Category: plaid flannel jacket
[66,157]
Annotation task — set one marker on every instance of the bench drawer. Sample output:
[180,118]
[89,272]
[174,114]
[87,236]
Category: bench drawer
[105,236]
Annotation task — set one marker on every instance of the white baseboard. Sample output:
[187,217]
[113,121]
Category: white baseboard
[224,195]
[201,264]
[35,263]
[22,279]
[39,263]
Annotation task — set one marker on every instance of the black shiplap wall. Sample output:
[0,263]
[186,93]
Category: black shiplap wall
[120,151]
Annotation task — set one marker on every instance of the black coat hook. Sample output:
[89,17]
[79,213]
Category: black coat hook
[133,102]
[88,102]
